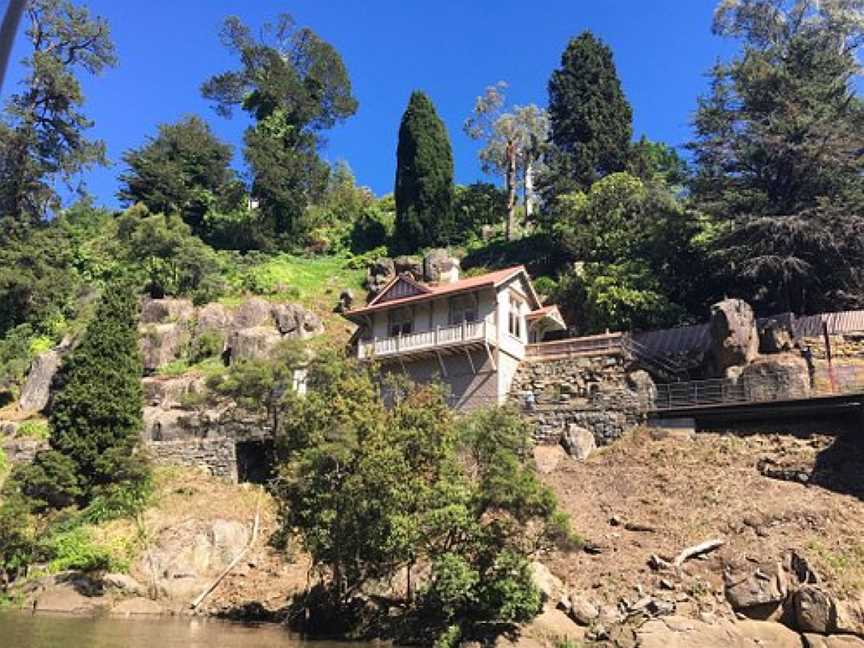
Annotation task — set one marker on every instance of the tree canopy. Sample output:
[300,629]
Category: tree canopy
[424,177]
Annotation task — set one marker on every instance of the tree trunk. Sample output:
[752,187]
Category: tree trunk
[528,189]
[510,181]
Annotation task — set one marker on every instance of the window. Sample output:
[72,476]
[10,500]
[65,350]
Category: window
[400,322]
[463,308]
[515,319]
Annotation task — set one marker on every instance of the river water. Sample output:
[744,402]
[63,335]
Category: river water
[21,630]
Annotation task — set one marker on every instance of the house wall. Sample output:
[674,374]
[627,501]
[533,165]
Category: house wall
[467,389]
[509,344]
[431,314]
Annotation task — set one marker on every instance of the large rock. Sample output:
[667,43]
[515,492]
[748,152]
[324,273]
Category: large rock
[580,609]
[850,617]
[832,641]
[549,585]
[161,344]
[252,313]
[681,632]
[548,457]
[814,610]
[762,587]
[37,389]
[165,424]
[734,338]
[777,377]
[378,274]
[164,311]
[66,598]
[214,318]
[438,266]
[579,442]
[641,382]
[409,264]
[167,392]
[292,320]
[253,343]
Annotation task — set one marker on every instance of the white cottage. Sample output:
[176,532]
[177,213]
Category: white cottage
[469,333]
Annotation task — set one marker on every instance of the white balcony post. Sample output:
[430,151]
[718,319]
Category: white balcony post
[464,326]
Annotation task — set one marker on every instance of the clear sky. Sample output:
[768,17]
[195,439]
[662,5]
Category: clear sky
[451,49]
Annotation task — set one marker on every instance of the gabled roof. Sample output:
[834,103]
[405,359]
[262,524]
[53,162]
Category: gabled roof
[488,280]
[550,312]
[403,278]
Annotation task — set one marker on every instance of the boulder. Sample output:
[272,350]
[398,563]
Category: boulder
[37,388]
[253,343]
[850,617]
[165,424]
[439,266]
[124,584]
[832,641]
[550,586]
[167,310]
[167,392]
[346,301]
[747,588]
[578,442]
[681,632]
[548,457]
[161,344]
[778,377]
[734,338]
[378,274]
[67,598]
[641,382]
[410,264]
[214,318]
[814,610]
[581,610]
[775,337]
[554,627]
[252,313]
[293,320]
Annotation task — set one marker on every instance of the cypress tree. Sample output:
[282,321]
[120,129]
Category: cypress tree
[96,416]
[590,118]
[424,178]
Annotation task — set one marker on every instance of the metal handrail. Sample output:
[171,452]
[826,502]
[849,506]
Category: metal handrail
[770,387]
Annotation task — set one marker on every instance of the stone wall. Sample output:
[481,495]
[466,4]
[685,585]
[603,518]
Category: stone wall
[843,347]
[217,455]
[591,391]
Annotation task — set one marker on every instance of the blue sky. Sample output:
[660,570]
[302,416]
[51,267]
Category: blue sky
[450,49]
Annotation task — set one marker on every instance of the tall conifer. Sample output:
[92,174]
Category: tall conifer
[424,178]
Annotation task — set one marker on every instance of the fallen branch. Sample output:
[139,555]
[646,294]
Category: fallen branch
[697,550]
[203,595]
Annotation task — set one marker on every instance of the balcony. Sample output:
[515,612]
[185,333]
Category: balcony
[442,338]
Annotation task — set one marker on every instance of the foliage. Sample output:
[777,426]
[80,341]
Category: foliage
[96,417]
[424,178]
[372,489]
[657,162]
[33,429]
[294,85]
[172,260]
[18,540]
[778,154]
[639,264]
[186,170]
[590,119]
[42,132]
[477,205]
[75,549]
[49,481]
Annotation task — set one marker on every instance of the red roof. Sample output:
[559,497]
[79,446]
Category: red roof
[490,279]
[541,312]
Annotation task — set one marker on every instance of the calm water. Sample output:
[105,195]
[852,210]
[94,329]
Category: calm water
[19,630]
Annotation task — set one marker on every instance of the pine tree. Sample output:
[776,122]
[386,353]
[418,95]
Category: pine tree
[590,118]
[424,178]
[96,416]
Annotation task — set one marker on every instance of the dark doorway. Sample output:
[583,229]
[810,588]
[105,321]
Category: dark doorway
[255,461]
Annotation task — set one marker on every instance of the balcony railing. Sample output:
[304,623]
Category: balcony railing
[439,337]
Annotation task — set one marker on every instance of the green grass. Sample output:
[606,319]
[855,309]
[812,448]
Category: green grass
[33,429]
[301,278]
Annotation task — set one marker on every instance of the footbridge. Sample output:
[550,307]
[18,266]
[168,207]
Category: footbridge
[831,391]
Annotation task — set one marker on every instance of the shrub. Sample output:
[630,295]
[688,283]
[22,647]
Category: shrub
[75,549]
[33,429]
[208,344]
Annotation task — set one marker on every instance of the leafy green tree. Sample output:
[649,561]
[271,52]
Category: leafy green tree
[424,178]
[373,489]
[476,205]
[778,154]
[657,162]
[42,132]
[294,85]
[172,261]
[590,118]
[638,263]
[514,142]
[185,169]
[95,418]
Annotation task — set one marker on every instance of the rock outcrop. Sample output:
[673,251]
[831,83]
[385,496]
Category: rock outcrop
[775,337]
[578,441]
[37,389]
[734,338]
[777,377]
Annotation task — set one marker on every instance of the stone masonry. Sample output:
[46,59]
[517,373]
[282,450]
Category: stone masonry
[588,390]
[217,455]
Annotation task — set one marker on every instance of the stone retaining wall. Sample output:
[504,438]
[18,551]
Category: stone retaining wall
[218,455]
[591,391]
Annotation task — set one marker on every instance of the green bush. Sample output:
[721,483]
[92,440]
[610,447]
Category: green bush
[34,429]
[208,344]
[75,549]
[50,481]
